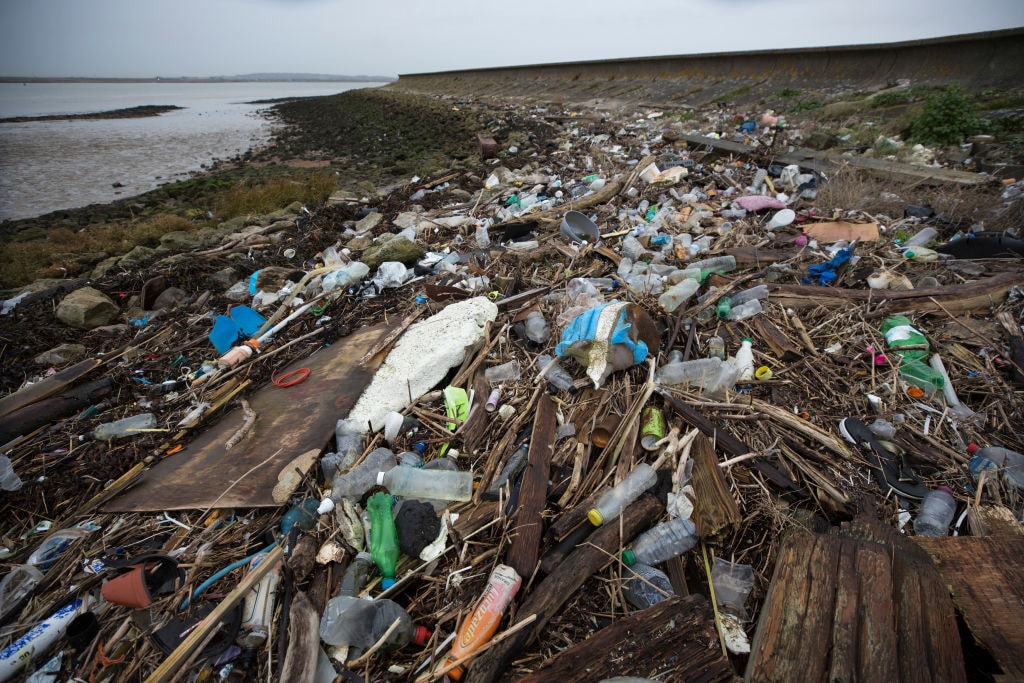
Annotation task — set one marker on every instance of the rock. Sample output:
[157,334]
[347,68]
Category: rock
[820,139]
[60,354]
[170,298]
[399,249]
[86,308]
[177,240]
[104,267]
[460,194]
[222,279]
[359,243]
[406,219]
[136,258]
[368,222]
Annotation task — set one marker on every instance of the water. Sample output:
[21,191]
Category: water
[51,165]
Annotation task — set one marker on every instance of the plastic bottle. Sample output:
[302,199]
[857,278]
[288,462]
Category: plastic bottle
[483,240]
[483,621]
[678,295]
[758,292]
[56,543]
[722,264]
[506,372]
[899,333]
[301,515]
[238,354]
[16,584]
[922,254]
[9,480]
[556,375]
[128,426]
[383,537]
[536,327]
[355,576]
[258,607]
[745,360]
[716,347]
[515,464]
[1011,462]
[745,310]
[427,484]
[611,503]
[349,441]
[359,623]
[922,238]
[723,308]
[357,481]
[639,592]
[345,276]
[697,372]
[936,513]
[662,542]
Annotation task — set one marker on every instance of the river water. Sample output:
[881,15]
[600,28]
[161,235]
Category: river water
[51,165]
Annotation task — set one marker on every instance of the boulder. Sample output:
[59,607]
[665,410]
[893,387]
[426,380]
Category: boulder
[136,258]
[398,249]
[170,298]
[178,240]
[86,308]
[60,355]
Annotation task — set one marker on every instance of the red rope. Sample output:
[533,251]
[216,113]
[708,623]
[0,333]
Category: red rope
[284,381]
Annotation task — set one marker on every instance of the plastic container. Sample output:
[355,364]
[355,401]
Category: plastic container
[39,639]
[716,347]
[345,277]
[936,513]
[482,623]
[723,308]
[536,327]
[357,481]
[483,240]
[506,372]
[677,295]
[745,360]
[349,443]
[758,292]
[1010,462]
[515,464]
[732,583]
[54,544]
[16,584]
[9,480]
[238,354]
[611,503]
[662,542]
[355,576]
[359,623]
[745,310]
[696,373]
[556,375]
[128,426]
[922,237]
[383,537]
[427,484]
[921,254]
[258,607]
[638,589]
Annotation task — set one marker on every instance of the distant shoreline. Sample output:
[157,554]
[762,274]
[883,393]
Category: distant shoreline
[141,111]
[268,78]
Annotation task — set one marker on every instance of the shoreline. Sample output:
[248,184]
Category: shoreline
[138,112]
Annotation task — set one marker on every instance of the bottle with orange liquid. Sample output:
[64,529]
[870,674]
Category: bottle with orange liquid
[482,622]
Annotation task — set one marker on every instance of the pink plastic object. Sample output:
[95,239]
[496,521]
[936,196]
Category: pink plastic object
[757,202]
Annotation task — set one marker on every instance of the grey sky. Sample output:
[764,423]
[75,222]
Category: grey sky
[146,38]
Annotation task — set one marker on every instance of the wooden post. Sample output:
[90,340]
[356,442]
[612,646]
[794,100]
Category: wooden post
[533,493]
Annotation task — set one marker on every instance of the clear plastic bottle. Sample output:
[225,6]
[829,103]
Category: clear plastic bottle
[697,372]
[346,276]
[637,588]
[536,327]
[1011,462]
[745,360]
[361,623]
[745,310]
[611,503]
[9,480]
[722,264]
[751,294]
[922,254]
[716,347]
[922,237]
[556,375]
[349,441]
[483,240]
[516,462]
[506,372]
[383,537]
[355,576]
[724,307]
[427,484]
[936,513]
[128,426]
[662,542]
[357,481]
[678,294]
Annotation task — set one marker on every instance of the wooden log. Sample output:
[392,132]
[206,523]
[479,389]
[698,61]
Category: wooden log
[715,511]
[547,598]
[678,643]
[303,642]
[53,384]
[35,415]
[525,548]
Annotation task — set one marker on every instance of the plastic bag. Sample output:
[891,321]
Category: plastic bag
[733,583]
[609,337]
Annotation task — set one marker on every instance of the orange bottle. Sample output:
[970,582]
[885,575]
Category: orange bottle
[482,622]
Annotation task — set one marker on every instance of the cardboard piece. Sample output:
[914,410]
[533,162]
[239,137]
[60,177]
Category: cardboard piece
[834,231]
[292,423]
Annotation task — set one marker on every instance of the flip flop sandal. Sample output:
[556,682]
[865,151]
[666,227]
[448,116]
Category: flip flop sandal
[146,577]
[890,470]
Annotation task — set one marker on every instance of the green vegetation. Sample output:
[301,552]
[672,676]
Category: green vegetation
[891,99]
[789,92]
[247,198]
[805,105]
[948,118]
[738,92]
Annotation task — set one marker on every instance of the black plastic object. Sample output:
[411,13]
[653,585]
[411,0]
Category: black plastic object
[919,211]
[418,526]
[890,471]
[169,636]
[984,245]
[516,231]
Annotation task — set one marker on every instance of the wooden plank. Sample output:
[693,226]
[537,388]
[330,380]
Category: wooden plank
[47,387]
[782,346]
[529,525]
[679,642]
[715,511]
[547,598]
[986,579]
[289,421]
[35,415]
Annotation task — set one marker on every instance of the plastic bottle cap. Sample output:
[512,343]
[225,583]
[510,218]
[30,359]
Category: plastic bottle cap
[387,582]
[420,636]
[629,557]
[326,505]
[380,478]
[763,373]
[972,448]
[747,339]
[595,517]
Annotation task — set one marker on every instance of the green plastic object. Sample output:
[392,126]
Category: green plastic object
[724,307]
[302,515]
[383,537]
[899,333]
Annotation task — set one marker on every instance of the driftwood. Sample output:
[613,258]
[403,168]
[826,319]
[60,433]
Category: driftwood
[47,387]
[546,599]
[673,640]
[34,415]
[303,641]
[715,511]
[532,493]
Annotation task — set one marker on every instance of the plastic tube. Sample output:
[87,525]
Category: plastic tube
[219,574]
[483,622]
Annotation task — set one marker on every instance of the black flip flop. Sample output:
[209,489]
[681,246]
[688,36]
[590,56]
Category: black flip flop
[889,470]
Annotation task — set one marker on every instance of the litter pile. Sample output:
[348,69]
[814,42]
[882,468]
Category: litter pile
[491,424]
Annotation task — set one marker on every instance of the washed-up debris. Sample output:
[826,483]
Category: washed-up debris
[576,390]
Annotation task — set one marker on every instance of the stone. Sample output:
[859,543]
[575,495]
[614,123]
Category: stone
[368,222]
[406,219]
[104,267]
[59,355]
[136,258]
[821,139]
[359,243]
[177,240]
[398,249]
[222,279]
[86,308]
[170,298]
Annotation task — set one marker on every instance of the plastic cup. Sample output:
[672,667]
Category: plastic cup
[576,227]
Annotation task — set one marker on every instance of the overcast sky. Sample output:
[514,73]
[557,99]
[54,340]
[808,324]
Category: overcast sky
[145,38]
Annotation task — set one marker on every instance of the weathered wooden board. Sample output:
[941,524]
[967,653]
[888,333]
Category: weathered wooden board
[986,578]
[290,422]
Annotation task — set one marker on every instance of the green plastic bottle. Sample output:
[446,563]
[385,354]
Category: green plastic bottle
[383,537]
[724,307]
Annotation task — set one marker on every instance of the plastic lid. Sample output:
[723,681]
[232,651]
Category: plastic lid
[629,557]
[326,505]
[420,635]
[747,339]
[972,448]
[944,488]
[387,582]
[595,517]
[380,478]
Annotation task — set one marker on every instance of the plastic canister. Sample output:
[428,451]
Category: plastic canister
[936,513]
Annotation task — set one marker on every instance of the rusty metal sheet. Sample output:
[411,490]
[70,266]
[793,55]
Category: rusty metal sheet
[291,423]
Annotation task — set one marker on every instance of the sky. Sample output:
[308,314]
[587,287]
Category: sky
[169,38]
